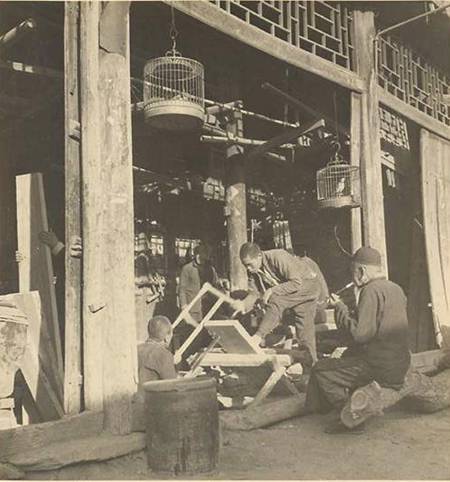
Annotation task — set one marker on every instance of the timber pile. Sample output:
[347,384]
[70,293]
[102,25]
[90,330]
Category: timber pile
[420,392]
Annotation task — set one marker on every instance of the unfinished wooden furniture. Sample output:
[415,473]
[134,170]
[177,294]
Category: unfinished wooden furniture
[242,352]
[206,289]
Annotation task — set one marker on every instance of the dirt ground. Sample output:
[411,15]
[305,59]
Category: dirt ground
[399,445]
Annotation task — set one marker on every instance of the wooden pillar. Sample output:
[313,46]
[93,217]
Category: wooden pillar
[355,160]
[120,350]
[371,174]
[236,205]
[93,200]
[73,361]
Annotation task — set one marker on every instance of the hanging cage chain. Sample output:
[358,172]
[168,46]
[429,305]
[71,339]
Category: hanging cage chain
[173,33]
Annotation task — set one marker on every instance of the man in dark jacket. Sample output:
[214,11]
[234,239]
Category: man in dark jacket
[284,281]
[379,339]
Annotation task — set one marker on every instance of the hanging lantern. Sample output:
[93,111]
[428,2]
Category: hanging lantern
[338,185]
[174,92]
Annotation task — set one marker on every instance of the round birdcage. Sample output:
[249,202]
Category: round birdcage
[338,185]
[174,92]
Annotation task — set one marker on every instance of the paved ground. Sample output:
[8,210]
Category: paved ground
[399,445]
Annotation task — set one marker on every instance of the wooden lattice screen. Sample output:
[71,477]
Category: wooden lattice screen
[405,74]
[322,28]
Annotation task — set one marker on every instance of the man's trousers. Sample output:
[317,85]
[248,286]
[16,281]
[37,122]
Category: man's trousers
[333,380]
[303,304]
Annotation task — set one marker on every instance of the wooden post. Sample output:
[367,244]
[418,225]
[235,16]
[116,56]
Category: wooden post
[120,349]
[93,189]
[73,362]
[355,160]
[236,205]
[371,174]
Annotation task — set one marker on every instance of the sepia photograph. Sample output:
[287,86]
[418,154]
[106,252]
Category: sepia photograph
[224,240]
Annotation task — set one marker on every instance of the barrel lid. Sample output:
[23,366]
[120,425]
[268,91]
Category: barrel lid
[179,384]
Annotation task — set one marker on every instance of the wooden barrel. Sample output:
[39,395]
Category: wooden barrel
[182,425]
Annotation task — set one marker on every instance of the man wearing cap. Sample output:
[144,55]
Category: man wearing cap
[379,334]
[285,282]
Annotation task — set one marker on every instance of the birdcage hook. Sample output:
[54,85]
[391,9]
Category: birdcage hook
[173,33]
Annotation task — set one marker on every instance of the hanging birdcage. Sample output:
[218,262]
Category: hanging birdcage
[338,185]
[174,92]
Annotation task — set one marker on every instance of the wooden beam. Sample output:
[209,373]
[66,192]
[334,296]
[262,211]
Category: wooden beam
[103,446]
[93,215]
[296,103]
[216,18]
[73,346]
[265,414]
[413,114]
[374,234]
[31,69]
[355,160]
[236,204]
[284,137]
[11,37]
[120,353]
[21,440]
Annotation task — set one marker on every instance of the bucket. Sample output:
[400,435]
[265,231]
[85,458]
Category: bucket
[182,425]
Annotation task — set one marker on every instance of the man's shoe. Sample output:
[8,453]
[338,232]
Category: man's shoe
[338,427]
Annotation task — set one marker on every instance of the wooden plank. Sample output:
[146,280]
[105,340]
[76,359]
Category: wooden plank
[219,20]
[120,350]
[93,216]
[371,174]
[241,360]
[355,160]
[36,269]
[233,337]
[434,154]
[73,347]
[79,450]
[21,440]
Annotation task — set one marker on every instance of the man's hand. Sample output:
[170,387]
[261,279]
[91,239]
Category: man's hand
[48,238]
[189,320]
[76,247]
[19,257]
[224,284]
[256,340]
[239,306]
[333,300]
[266,296]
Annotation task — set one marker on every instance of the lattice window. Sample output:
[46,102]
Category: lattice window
[182,245]
[282,235]
[393,129]
[257,197]
[322,28]
[214,189]
[405,74]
